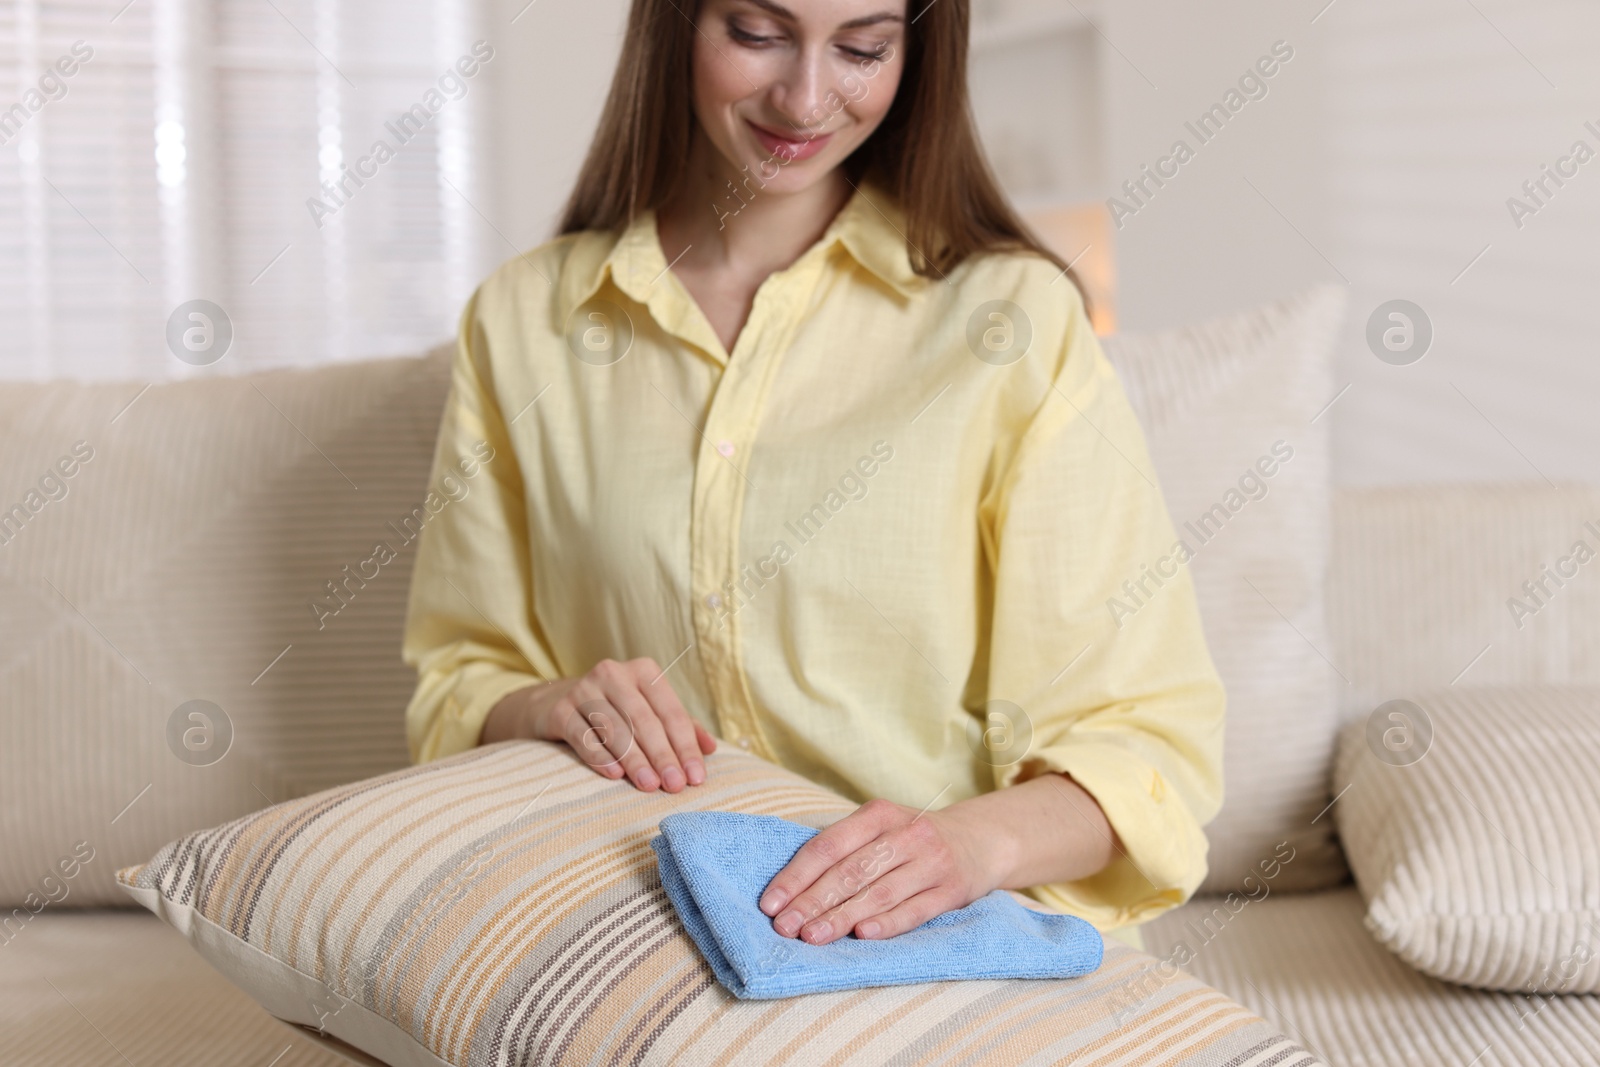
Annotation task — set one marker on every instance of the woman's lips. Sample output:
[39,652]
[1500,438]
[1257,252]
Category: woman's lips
[790,148]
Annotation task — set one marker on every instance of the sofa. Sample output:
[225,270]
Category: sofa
[186,640]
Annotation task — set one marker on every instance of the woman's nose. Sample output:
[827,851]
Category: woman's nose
[800,94]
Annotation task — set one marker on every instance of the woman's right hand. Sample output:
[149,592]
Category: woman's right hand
[620,717]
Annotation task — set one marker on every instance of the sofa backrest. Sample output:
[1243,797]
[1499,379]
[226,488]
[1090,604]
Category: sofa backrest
[1432,586]
[174,544]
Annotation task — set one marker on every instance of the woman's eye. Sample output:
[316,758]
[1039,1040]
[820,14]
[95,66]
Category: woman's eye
[879,51]
[744,36]
[750,37]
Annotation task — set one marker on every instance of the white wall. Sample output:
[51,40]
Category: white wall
[554,67]
[1387,150]
[1439,114]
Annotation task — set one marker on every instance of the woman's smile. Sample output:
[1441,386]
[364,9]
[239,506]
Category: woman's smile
[789,148]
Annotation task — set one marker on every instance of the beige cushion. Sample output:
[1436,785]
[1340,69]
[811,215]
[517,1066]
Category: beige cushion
[1304,961]
[181,564]
[1471,818]
[1214,399]
[503,905]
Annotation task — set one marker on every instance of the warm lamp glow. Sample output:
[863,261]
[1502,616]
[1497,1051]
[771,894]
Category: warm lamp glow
[1081,234]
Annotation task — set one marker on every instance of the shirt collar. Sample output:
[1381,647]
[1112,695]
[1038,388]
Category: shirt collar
[871,227]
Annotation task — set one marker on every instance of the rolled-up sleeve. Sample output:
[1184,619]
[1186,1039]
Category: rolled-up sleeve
[1114,681]
[470,629]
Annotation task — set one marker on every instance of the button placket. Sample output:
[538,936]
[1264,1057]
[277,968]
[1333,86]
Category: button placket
[718,484]
[732,419]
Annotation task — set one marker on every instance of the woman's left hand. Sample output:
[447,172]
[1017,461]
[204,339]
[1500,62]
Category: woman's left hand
[883,870]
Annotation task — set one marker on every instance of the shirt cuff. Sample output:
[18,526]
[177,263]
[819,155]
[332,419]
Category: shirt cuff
[1163,857]
[457,720]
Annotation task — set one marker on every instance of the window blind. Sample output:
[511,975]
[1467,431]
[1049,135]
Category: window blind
[209,150]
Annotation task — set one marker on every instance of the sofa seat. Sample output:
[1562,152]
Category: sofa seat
[120,986]
[1306,962]
[97,986]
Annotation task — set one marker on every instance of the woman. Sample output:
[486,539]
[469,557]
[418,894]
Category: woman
[797,438]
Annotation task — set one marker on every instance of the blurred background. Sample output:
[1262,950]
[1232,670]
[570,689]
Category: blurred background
[1427,151]
[327,181]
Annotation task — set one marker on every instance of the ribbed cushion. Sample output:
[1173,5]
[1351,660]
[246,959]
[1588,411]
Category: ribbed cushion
[182,564]
[1480,861]
[503,906]
[1304,961]
[1423,579]
[1213,400]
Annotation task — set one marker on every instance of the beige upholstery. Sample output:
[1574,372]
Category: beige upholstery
[1421,577]
[93,987]
[1306,962]
[181,563]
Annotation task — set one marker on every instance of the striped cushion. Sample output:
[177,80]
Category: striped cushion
[502,906]
[1479,854]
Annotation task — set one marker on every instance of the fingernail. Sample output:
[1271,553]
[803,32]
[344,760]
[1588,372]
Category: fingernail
[788,924]
[673,778]
[697,771]
[774,899]
[648,780]
[819,931]
[868,929]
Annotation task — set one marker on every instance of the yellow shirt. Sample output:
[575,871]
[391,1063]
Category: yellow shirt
[875,543]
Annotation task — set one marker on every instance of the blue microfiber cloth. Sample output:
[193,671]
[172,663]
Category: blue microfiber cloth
[716,864]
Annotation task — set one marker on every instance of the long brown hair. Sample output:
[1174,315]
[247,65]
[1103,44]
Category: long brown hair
[926,151]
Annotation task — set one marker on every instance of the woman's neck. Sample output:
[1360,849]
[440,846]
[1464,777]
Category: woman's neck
[724,221]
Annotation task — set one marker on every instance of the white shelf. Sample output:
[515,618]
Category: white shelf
[1060,18]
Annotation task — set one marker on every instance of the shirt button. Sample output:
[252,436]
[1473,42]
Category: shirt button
[726,448]
[744,743]
[713,601]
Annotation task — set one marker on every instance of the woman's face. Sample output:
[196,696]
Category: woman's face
[788,89]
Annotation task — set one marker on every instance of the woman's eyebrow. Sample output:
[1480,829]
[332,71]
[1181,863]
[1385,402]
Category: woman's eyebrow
[774,8]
